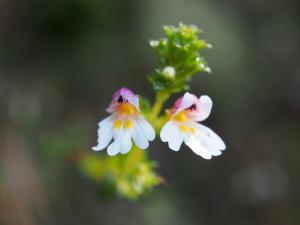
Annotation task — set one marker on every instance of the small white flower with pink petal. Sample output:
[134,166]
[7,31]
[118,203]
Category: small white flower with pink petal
[125,123]
[183,126]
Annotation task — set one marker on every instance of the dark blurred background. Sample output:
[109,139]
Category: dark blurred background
[61,60]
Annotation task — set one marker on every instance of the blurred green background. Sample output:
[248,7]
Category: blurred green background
[61,60]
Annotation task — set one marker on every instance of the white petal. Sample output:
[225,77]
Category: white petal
[114,148]
[146,128]
[106,120]
[126,143]
[176,140]
[205,107]
[139,137]
[208,144]
[193,143]
[166,131]
[211,137]
[105,133]
[171,133]
[122,142]
[208,140]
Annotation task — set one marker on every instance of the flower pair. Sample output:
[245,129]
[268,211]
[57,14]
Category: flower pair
[126,124]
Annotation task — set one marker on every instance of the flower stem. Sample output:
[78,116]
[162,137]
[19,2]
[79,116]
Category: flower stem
[160,99]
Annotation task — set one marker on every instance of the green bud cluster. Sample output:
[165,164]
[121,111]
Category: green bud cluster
[178,57]
[127,176]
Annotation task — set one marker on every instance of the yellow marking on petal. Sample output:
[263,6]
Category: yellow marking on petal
[184,128]
[193,130]
[117,124]
[127,109]
[128,124]
[181,117]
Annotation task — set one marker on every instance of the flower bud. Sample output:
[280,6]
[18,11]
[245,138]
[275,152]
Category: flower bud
[169,72]
[154,43]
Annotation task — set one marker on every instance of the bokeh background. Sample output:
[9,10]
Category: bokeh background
[61,60]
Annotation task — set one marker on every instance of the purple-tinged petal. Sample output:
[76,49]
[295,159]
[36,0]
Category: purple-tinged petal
[184,102]
[202,110]
[123,95]
[125,92]
[195,109]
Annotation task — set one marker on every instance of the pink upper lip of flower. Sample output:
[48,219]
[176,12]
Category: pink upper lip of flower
[125,92]
[196,109]
[123,95]
[192,106]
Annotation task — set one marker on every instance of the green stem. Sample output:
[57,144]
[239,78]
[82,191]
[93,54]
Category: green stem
[160,99]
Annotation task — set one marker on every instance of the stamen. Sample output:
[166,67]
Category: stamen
[192,107]
[120,99]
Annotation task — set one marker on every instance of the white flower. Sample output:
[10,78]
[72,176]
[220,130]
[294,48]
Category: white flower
[183,127]
[125,123]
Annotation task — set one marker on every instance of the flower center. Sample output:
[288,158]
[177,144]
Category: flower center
[181,117]
[126,109]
